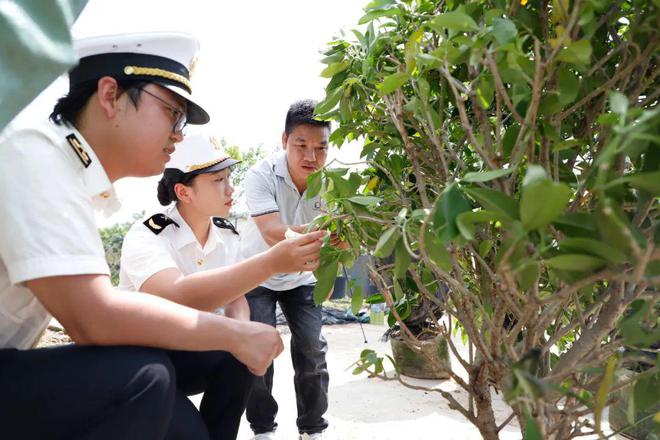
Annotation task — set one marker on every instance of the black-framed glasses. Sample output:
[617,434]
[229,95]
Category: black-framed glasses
[181,117]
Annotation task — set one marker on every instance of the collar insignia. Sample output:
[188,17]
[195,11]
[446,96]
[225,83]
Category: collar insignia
[157,222]
[224,224]
[79,149]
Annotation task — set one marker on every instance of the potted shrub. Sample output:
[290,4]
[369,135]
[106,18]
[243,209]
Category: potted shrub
[511,154]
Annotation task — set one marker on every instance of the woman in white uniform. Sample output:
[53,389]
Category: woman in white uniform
[188,253]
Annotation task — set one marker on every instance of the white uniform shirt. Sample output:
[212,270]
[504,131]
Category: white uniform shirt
[269,188]
[50,184]
[145,253]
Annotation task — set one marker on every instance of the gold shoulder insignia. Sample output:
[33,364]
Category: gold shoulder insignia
[79,150]
[158,222]
[224,224]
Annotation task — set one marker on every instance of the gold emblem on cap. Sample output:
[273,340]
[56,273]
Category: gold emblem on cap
[152,71]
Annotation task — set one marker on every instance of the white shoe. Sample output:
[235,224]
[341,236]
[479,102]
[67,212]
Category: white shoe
[315,436]
[264,436]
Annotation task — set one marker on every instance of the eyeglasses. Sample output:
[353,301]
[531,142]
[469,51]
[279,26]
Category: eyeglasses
[181,118]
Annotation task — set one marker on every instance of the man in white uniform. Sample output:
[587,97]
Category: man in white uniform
[128,102]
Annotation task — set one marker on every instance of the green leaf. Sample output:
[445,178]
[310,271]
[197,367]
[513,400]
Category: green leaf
[403,309]
[565,145]
[398,292]
[334,58]
[509,139]
[449,205]
[604,391]
[527,275]
[334,69]
[635,332]
[542,203]
[577,224]
[365,200]
[485,176]
[613,226]
[594,247]
[578,52]
[370,16]
[504,30]
[378,4]
[314,183]
[486,90]
[326,276]
[378,298]
[568,85]
[532,431]
[387,242]
[393,82]
[455,21]
[412,48]
[494,200]
[357,299]
[647,181]
[329,102]
[466,220]
[575,262]
[647,391]
[436,251]
[485,247]
[401,260]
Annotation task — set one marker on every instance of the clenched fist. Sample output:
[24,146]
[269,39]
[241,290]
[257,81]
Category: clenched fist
[259,345]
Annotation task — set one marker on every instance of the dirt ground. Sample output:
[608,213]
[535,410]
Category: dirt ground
[369,408]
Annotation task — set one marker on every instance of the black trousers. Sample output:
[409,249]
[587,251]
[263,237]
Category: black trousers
[75,392]
[308,349]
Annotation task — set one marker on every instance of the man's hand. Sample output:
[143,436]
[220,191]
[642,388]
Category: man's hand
[297,254]
[260,344]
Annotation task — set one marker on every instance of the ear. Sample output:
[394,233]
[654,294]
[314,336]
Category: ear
[107,94]
[284,139]
[183,192]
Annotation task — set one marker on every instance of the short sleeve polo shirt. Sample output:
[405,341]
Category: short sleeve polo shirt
[268,189]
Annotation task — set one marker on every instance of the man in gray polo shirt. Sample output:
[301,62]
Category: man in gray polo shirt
[275,192]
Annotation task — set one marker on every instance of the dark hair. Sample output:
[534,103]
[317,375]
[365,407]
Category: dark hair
[300,113]
[171,177]
[70,106]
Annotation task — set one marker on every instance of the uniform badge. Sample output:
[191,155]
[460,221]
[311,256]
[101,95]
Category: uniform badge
[79,150]
[224,224]
[158,222]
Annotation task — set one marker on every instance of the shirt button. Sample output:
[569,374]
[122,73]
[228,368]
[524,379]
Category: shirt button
[200,262]
[105,195]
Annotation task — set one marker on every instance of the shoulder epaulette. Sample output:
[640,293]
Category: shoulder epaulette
[78,148]
[224,224]
[158,222]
